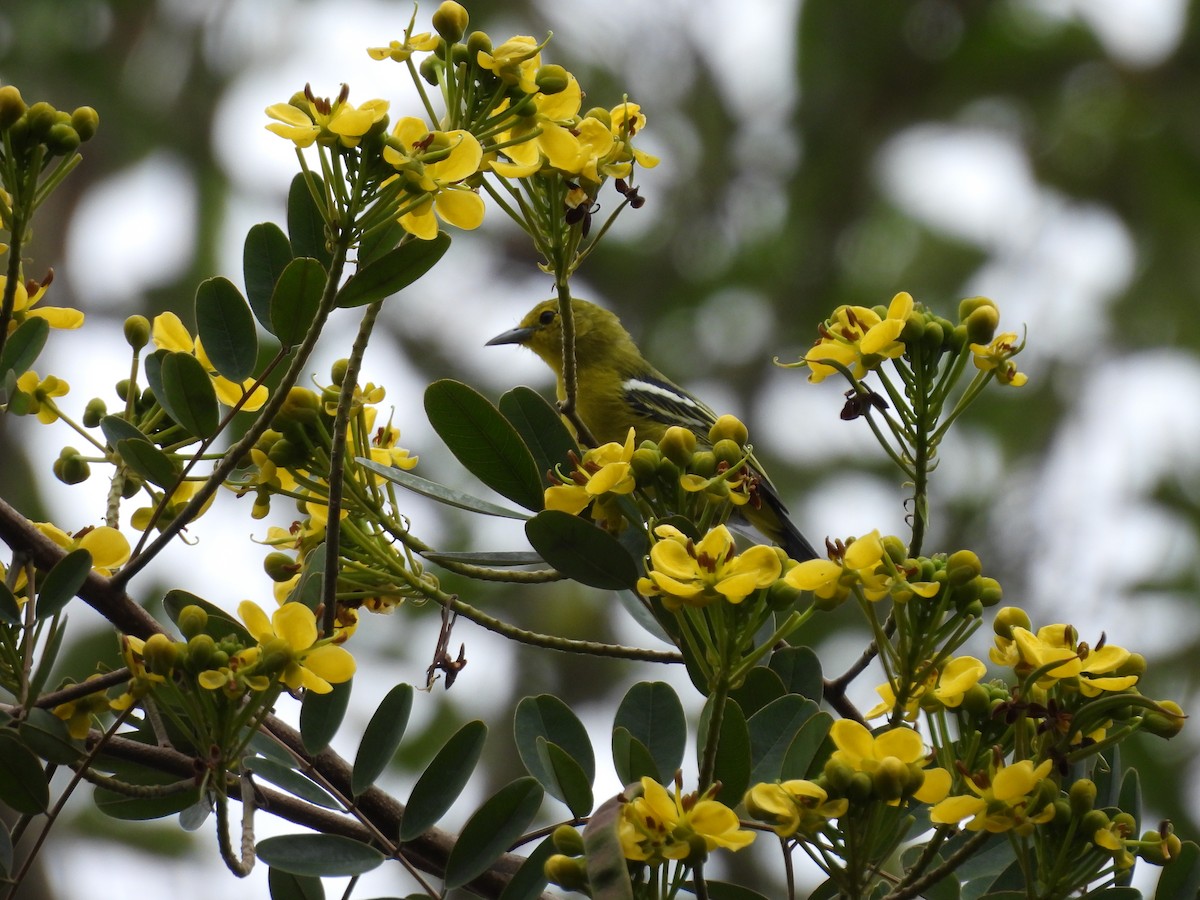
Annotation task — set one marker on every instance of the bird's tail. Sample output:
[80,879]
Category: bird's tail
[771,518]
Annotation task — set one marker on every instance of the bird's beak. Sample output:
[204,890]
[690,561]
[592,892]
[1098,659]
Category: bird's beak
[512,336]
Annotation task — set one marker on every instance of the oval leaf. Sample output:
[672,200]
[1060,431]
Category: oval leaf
[492,829]
[148,461]
[631,759]
[732,768]
[484,442]
[296,300]
[540,427]
[22,782]
[318,855]
[772,731]
[608,872]
[321,715]
[393,271]
[188,394]
[117,429]
[581,551]
[23,346]
[443,780]
[306,225]
[226,328]
[46,735]
[220,624]
[760,688]
[264,257]
[289,886]
[652,714]
[1182,877]
[806,747]
[530,880]
[800,670]
[549,718]
[382,737]
[295,783]
[10,612]
[567,780]
[62,582]
[141,809]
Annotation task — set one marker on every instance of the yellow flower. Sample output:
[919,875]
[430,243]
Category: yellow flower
[659,825]
[308,119]
[289,643]
[515,61]
[793,807]
[859,339]
[897,751]
[946,686]
[683,572]
[28,294]
[400,51]
[170,333]
[108,547]
[997,357]
[432,164]
[1057,649]
[1002,803]
[603,470]
[553,134]
[180,498]
[41,393]
[78,713]
[832,581]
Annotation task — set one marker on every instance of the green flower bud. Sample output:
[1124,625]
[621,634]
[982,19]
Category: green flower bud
[678,444]
[41,118]
[85,121]
[728,427]
[193,620]
[838,776]
[12,107]
[276,655]
[70,467]
[124,387]
[644,463]
[1166,721]
[990,592]
[1082,796]
[933,335]
[568,840]
[302,407]
[477,42]
[1009,618]
[972,610]
[133,484]
[1135,665]
[956,339]
[430,67]
[891,779]
[1062,812]
[971,304]
[962,566]
[600,114]
[860,788]
[703,463]
[201,648]
[981,324]
[287,455]
[137,332]
[976,701]
[1093,821]
[280,567]
[569,874]
[161,654]
[782,596]
[450,21]
[727,451]
[552,79]
[337,372]
[894,549]
[95,410]
[62,139]
[1158,850]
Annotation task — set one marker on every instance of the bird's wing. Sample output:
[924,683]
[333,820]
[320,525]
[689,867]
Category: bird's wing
[661,400]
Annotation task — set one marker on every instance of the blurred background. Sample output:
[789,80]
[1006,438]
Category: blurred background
[1045,153]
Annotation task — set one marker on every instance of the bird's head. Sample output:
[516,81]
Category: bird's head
[597,332]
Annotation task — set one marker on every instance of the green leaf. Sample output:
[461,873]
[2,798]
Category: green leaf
[226,328]
[393,271]
[116,429]
[46,735]
[49,656]
[293,782]
[806,747]
[6,853]
[1131,797]
[580,550]
[566,779]
[23,346]
[220,623]
[296,300]
[318,855]
[530,880]
[63,582]
[492,829]
[321,715]
[443,780]
[945,889]
[289,886]
[264,257]
[723,890]
[380,239]
[652,714]
[439,492]
[148,461]
[382,737]
[1182,877]
[631,759]
[549,718]
[10,612]
[733,752]
[306,224]
[761,687]
[141,809]
[22,782]
[540,427]
[185,391]
[498,558]
[772,732]
[484,441]
[800,670]
[608,873]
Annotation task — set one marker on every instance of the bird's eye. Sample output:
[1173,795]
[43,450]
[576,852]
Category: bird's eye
[547,317]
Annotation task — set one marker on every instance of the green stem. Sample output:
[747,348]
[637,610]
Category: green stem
[719,700]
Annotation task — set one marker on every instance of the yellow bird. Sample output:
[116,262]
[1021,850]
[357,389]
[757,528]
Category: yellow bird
[619,388]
